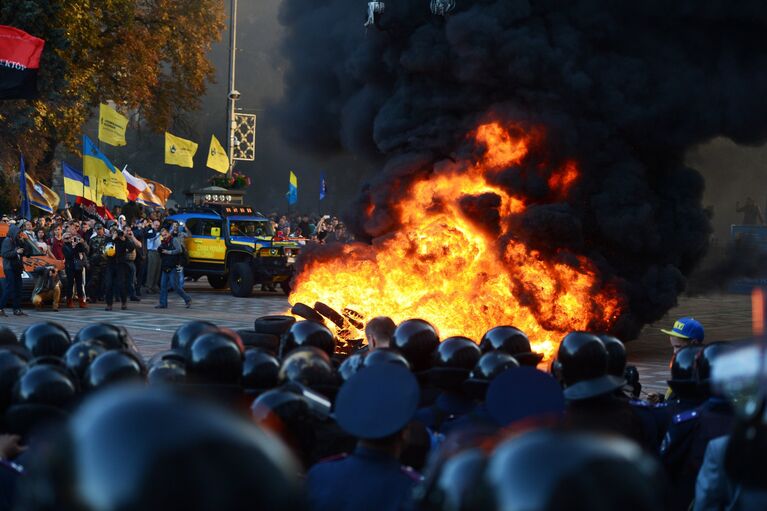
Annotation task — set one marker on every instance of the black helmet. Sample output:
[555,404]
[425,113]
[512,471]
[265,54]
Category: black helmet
[11,366]
[350,366]
[167,371]
[114,366]
[684,381]
[113,337]
[43,393]
[7,337]
[311,367]
[490,365]
[46,339]
[616,355]
[416,339]
[522,475]
[214,359]
[385,356]
[188,332]
[452,362]
[80,355]
[513,341]
[457,485]
[308,333]
[260,371]
[705,360]
[166,446]
[583,360]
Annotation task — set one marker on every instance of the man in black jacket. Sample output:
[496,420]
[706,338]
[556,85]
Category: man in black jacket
[12,252]
[116,270]
[76,262]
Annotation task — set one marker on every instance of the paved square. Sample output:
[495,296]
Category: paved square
[725,317]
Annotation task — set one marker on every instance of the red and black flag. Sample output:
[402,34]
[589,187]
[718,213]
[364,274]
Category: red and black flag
[19,62]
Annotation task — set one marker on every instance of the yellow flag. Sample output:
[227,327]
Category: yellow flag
[179,151]
[112,126]
[218,160]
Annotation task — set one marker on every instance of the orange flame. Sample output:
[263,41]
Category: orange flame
[441,267]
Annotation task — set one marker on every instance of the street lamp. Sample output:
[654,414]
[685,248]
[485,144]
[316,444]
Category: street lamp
[234,94]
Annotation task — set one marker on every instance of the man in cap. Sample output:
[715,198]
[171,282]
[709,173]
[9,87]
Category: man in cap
[375,406]
[685,331]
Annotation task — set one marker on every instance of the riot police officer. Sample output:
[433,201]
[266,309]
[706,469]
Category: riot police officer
[116,270]
[375,406]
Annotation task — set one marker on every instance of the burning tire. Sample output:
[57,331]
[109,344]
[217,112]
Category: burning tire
[306,312]
[329,313]
[274,325]
[241,280]
[217,281]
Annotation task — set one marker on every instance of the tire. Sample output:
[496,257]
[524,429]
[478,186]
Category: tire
[274,325]
[241,280]
[218,281]
[267,342]
[330,313]
[306,312]
[285,286]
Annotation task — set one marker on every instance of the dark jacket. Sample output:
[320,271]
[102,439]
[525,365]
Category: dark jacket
[13,263]
[74,253]
[122,247]
[44,281]
[170,249]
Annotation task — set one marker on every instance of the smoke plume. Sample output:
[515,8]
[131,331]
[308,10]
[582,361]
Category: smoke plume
[622,88]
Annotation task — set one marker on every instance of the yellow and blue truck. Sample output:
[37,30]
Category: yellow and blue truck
[235,246]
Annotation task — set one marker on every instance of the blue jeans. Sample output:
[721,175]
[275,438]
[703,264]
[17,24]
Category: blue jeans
[11,290]
[176,279]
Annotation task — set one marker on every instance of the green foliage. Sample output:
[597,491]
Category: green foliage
[148,56]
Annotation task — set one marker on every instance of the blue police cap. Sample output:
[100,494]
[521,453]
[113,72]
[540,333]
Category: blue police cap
[523,393]
[377,402]
[686,328]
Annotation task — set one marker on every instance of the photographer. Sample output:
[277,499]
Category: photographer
[132,259]
[12,252]
[116,271]
[172,272]
[97,263]
[47,287]
[76,263]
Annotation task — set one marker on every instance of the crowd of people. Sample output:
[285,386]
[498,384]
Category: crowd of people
[274,418]
[137,254]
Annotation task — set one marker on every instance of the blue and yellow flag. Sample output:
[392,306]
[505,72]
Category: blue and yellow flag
[323,186]
[105,179]
[40,196]
[293,189]
[75,183]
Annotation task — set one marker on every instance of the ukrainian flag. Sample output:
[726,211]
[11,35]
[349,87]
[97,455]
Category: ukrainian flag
[75,183]
[104,177]
[293,189]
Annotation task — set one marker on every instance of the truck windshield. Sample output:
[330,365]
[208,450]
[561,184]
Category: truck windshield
[251,228]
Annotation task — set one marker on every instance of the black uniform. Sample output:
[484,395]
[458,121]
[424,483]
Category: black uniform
[95,285]
[75,262]
[116,272]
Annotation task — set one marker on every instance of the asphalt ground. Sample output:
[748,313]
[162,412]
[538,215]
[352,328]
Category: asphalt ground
[724,316]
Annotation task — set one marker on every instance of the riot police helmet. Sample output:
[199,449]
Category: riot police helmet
[452,362]
[513,341]
[616,355]
[583,360]
[80,355]
[188,332]
[308,333]
[260,371]
[684,381]
[489,365]
[114,367]
[46,339]
[416,339]
[113,337]
[214,358]
[311,367]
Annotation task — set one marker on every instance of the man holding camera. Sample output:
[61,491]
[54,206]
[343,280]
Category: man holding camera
[172,271]
[116,271]
[76,263]
[12,252]
[47,287]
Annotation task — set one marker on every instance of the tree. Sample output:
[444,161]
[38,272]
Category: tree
[148,56]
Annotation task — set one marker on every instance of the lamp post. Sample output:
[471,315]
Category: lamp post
[234,94]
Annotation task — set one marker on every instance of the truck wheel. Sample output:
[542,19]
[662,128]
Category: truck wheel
[275,325]
[241,280]
[218,281]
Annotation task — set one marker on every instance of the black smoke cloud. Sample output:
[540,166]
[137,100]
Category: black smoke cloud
[624,88]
